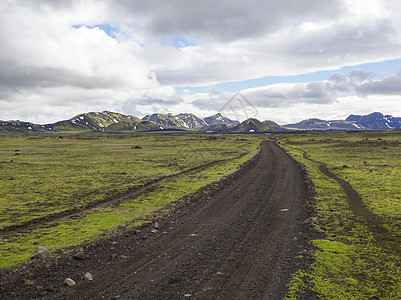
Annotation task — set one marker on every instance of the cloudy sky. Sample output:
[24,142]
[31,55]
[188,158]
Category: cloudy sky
[289,59]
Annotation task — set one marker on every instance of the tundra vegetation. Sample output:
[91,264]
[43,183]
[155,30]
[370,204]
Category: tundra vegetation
[359,255]
[59,191]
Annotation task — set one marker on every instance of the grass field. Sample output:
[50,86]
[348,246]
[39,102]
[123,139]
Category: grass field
[44,176]
[350,262]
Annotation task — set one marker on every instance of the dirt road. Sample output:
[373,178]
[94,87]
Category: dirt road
[239,242]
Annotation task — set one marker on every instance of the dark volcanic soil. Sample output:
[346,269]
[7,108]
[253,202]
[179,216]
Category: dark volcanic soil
[240,241]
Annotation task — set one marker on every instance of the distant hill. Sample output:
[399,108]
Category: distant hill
[107,121]
[19,126]
[92,121]
[255,126]
[189,120]
[219,119]
[317,124]
[376,121]
[180,120]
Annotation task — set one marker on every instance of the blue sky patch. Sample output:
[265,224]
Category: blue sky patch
[382,69]
[107,28]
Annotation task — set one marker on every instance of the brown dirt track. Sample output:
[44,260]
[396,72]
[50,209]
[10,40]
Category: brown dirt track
[240,241]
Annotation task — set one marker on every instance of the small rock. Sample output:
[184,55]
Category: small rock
[153,230]
[88,276]
[123,257]
[156,225]
[219,273]
[79,256]
[41,252]
[69,282]
[114,255]
[114,243]
[187,295]
[137,231]
[284,209]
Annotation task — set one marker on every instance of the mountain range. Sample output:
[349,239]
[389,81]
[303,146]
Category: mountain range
[115,122]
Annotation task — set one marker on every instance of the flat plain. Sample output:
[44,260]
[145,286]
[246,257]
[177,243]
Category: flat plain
[65,191]
[59,191]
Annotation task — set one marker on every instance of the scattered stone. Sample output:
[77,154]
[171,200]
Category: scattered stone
[114,243]
[284,209]
[88,276]
[123,257]
[187,295]
[79,255]
[41,252]
[192,234]
[114,255]
[156,225]
[137,231]
[69,282]
[153,230]
[219,273]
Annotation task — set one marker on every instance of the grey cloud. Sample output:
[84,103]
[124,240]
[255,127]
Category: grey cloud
[17,77]
[160,101]
[227,19]
[388,86]
[285,95]
[349,83]
[363,83]
[344,39]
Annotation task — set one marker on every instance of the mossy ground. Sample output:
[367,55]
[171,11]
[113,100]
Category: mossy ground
[349,263]
[51,174]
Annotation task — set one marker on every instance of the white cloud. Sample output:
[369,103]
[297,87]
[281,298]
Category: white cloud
[57,61]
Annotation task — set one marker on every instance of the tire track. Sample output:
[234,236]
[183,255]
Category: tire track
[373,221]
[132,193]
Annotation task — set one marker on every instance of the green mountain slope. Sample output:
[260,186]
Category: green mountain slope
[179,121]
[219,119]
[134,126]
[255,126]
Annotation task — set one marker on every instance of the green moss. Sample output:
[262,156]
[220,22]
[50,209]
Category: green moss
[349,263]
[53,175]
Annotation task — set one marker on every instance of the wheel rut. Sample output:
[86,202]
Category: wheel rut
[374,222]
[132,193]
